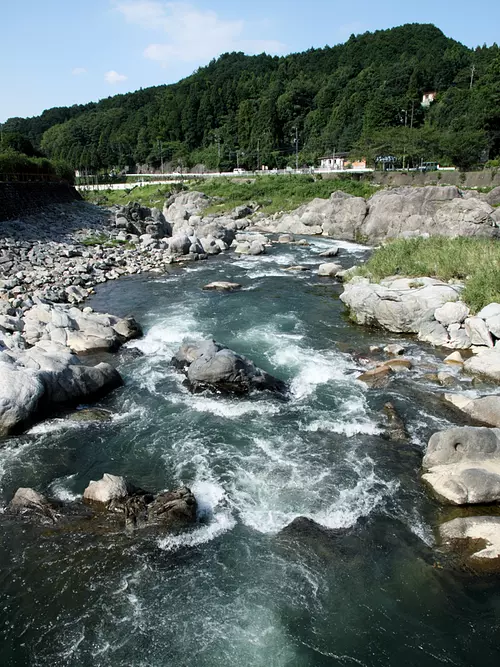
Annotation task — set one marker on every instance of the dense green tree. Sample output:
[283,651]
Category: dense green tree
[363,95]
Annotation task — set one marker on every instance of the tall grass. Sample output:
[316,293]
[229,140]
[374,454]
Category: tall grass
[476,262]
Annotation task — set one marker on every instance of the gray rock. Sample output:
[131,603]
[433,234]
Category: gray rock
[107,489]
[330,270]
[430,210]
[452,312]
[434,333]
[463,465]
[222,286]
[179,244]
[493,325]
[486,363]
[36,382]
[493,196]
[485,409]
[459,340]
[400,305]
[31,504]
[329,252]
[478,332]
[209,365]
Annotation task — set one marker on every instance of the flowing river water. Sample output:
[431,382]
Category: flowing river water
[367,586]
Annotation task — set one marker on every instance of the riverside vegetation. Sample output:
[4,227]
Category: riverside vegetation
[476,262]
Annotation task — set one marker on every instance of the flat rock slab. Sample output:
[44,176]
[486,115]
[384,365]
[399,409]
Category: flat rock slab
[463,465]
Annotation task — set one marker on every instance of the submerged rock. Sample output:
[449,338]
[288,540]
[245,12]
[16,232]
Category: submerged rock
[31,504]
[90,415]
[396,429]
[477,536]
[463,465]
[210,365]
[222,286]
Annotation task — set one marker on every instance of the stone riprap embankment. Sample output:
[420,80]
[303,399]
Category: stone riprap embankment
[51,261]
[394,213]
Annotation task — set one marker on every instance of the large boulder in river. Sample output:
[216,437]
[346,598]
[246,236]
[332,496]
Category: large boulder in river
[401,305]
[463,465]
[485,410]
[36,382]
[210,365]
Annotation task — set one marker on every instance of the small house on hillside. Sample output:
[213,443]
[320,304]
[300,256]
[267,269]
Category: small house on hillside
[428,98]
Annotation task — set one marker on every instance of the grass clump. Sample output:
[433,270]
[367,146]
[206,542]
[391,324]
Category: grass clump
[476,262]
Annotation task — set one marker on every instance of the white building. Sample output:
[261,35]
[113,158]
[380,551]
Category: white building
[428,98]
[333,162]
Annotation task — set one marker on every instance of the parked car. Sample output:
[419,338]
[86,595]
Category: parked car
[428,166]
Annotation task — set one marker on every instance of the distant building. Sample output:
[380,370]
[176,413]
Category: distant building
[428,98]
[333,162]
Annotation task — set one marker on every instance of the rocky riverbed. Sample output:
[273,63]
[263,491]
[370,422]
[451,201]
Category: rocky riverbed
[293,498]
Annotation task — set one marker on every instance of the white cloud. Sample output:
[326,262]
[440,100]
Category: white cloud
[113,77]
[76,71]
[193,35]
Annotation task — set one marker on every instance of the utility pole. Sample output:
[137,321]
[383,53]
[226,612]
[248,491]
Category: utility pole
[217,139]
[472,72]
[405,111]
[160,146]
[258,154]
[296,148]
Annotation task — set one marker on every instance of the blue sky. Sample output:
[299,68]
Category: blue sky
[63,52]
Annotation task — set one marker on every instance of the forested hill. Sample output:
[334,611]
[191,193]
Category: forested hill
[363,96]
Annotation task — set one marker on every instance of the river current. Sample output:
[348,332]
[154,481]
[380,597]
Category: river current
[367,586]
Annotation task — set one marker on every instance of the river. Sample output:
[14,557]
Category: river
[366,587]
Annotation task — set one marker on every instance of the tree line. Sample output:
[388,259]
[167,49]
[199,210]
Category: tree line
[363,97]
